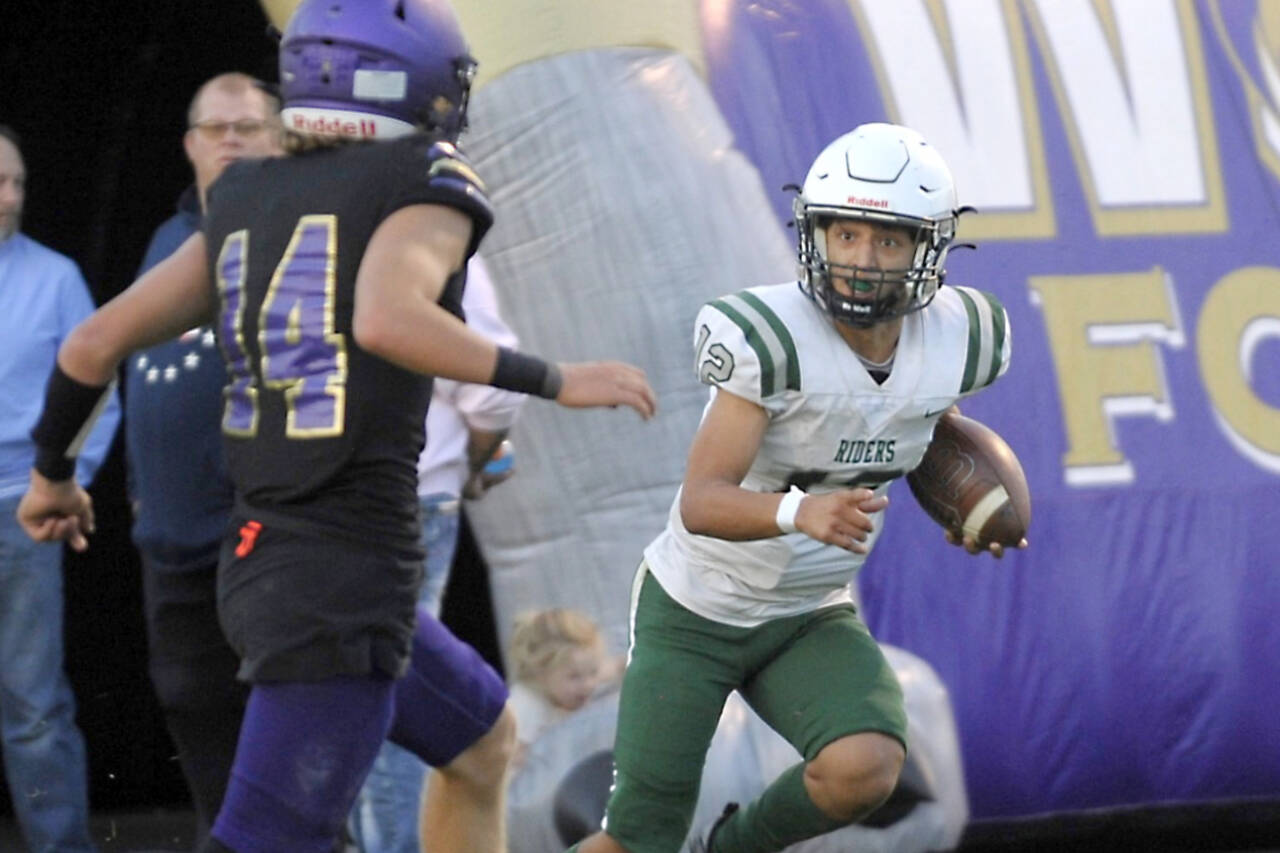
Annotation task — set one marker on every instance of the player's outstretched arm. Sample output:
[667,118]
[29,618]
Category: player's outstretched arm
[169,299]
[172,297]
[397,317]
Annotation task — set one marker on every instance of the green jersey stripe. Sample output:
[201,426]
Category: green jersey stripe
[784,337]
[975,342]
[755,340]
[998,330]
[783,356]
[985,337]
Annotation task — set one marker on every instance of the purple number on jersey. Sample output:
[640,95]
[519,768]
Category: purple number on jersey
[240,413]
[301,354]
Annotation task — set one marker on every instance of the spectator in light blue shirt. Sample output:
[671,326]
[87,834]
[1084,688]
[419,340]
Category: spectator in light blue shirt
[42,297]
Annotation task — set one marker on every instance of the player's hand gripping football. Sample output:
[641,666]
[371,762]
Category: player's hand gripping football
[971,545]
[841,518]
[606,383]
[971,483]
[56,510]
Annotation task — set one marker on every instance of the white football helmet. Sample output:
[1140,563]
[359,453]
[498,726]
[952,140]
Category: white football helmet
[886,174]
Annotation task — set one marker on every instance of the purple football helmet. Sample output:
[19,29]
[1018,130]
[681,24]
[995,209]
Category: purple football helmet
[375,68]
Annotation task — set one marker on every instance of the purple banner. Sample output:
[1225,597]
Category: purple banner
[1126,160]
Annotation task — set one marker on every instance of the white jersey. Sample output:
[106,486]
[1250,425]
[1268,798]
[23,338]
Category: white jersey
[831,426]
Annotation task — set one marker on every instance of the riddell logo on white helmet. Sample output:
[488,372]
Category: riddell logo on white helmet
[868,202]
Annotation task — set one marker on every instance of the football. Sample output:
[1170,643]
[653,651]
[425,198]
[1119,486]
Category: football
[971,483]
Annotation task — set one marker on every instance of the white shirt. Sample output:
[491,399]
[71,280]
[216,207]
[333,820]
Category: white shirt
[457,407]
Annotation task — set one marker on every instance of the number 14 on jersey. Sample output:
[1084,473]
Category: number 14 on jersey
[296,350]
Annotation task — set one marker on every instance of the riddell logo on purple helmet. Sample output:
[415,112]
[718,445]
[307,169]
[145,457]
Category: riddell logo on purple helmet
[389,62]
[868,202]
[363,128]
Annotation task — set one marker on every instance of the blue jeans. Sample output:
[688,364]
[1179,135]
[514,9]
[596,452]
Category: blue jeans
[385,816]
[44,755]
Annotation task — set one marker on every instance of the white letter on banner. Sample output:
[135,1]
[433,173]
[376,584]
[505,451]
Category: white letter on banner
[1132,88]
[1103,330]
[960,73]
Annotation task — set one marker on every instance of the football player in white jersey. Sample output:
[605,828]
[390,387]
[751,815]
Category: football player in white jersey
[821,394]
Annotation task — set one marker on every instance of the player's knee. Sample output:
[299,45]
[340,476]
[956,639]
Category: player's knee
[852,776]
[485,762]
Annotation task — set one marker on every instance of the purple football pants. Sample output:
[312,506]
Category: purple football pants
[305,747]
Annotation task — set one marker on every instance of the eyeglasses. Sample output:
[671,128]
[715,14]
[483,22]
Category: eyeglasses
[215,130]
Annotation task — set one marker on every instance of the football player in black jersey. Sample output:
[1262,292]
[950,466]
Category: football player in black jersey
[333,277]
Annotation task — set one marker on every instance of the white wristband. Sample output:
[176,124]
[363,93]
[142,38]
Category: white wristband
[787,508]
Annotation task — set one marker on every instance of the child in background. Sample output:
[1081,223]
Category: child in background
[558,662]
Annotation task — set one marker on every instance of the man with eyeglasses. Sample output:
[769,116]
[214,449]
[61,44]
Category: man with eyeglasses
[178,482]
[231,116]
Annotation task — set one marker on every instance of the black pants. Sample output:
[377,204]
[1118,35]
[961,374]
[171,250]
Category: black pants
[193,670]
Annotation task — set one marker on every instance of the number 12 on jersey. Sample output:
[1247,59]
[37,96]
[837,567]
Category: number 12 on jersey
[299,352]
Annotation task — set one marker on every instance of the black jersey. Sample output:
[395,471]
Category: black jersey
[319,433]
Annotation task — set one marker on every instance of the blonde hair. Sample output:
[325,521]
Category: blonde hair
[293,142]
[541,639]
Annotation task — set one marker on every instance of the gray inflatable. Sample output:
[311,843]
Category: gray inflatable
[622,207]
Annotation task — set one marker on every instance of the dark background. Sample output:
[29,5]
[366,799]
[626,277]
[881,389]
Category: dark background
[98,90]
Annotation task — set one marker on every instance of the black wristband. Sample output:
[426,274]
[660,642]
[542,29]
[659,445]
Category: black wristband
[54,464]
[552,382]
[526,374]
[70,408]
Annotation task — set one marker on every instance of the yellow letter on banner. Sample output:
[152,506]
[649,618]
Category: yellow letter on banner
[1101,330]
[1242,309]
